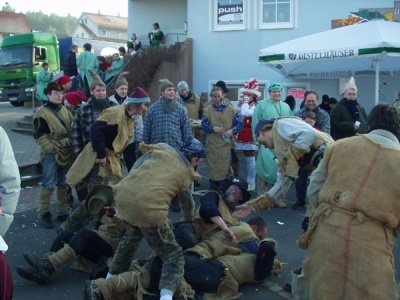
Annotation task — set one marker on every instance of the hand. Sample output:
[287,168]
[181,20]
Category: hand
[243,212]
[228,133]
[1,210]
[66,142]
[101,161]
[220,130]
[229,233]
[356,127]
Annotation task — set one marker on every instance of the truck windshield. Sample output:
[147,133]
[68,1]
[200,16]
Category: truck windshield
[16,56]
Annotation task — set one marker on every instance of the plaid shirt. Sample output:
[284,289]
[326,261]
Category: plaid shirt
[84,117]
[237,120]
[170,128]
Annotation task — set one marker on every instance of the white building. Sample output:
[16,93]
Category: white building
[227,35]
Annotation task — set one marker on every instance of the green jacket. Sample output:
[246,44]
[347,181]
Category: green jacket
[87,61]
[116,68]
[42,79]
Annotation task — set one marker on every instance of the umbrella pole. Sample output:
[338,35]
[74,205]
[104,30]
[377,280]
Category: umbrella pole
[377,81]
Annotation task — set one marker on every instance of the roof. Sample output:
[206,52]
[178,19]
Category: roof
[109,22]
[11,22]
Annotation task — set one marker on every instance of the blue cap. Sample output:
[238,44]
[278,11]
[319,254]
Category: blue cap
[275,86]
[262,123]
[194,148]
[139,95]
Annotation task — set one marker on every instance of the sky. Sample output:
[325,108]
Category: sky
[73,7]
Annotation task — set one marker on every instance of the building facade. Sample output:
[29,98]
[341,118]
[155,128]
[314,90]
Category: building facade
[228,34]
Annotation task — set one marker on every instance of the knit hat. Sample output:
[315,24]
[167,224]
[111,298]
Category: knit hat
[121,80]
[63,80]
[242,184]
[139,95]
[350,85]
[275,86]
[52,86]
[251,87]
[182,85]
[164,83]
[96,80]
[223,86]
[263,124]
[99,197]
[194,148]
[74,98]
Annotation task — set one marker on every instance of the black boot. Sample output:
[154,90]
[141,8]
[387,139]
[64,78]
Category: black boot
[298,205]
[41,269]
[31,275]
[46,221]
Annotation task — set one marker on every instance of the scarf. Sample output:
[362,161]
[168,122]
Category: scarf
[52,105]
[352,106]
[119,99]
[187,98]
[220,108]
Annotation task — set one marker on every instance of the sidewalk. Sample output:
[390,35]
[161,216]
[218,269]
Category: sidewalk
[26,150]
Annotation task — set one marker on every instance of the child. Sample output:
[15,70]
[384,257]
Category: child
[310,118]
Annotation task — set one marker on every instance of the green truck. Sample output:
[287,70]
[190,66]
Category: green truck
[21,58]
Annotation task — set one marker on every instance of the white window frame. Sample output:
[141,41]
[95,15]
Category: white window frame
[228,27]
[276,25]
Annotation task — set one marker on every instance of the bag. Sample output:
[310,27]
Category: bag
[300,289]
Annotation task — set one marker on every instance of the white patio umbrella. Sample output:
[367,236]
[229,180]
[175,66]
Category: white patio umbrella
[362,49]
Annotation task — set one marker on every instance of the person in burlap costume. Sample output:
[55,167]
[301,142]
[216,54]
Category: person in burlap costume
[142,200]
[215,267]
[355,212]
[84,118]
[86,247]
[110,135]
[215,212]
[266,168]
[221,122]
[296,144]
[52,131]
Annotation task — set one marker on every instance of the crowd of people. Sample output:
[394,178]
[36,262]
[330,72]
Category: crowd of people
[85,136]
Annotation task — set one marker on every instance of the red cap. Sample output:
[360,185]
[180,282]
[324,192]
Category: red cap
[63,80]
[74,98]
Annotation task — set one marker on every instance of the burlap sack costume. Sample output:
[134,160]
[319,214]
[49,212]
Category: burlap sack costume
[151,186]
[86,160]
[217,150]
[50,143]
[350,237]
[288,154]
[218,244]
[204,230]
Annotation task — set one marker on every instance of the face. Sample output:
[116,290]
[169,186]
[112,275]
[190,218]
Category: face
[67,86]
[55,97]
[46,67]
[217,98]
[310,121]
[133,37]
[143,108]
[265,139]
[234,194]
[169,93]
[350,94]
[115,57]
[275,95]
[184,92]
[99,92]
[311,101]
[122,91]
[261,234]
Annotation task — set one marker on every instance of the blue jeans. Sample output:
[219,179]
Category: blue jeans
[53,174]
[74,84]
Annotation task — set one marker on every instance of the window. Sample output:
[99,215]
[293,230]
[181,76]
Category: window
[276,14]
[229,14]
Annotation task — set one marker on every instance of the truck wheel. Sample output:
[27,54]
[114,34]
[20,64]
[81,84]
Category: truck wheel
[17,103]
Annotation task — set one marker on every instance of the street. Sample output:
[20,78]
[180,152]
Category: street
[25,234]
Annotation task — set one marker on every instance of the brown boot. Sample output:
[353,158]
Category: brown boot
[62,205]
[118,284]
[279,203]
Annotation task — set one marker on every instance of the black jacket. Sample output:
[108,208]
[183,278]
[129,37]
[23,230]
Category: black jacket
[69,65]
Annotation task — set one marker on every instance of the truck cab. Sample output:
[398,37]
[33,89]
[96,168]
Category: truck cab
[21,58]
